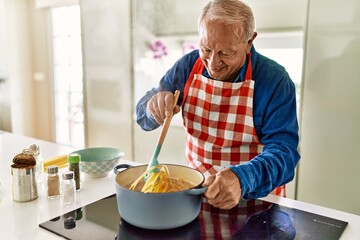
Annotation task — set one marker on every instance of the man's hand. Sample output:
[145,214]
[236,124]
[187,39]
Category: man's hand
[224,189]
[160,106]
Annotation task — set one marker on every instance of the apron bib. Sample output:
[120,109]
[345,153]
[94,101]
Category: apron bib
[218,118]
[219,123]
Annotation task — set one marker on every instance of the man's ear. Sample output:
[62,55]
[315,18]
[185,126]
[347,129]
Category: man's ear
[250,42]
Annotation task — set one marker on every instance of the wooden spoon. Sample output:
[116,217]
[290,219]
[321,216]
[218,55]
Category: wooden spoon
[154,161]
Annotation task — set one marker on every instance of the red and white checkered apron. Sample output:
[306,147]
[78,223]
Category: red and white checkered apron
[218,118]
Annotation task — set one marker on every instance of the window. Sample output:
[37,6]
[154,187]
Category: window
[286,48]
[68,75]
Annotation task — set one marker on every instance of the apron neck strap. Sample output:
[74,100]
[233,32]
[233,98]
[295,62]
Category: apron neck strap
[197,69]
[248,74]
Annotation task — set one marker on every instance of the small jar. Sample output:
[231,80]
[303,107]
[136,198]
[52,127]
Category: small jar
[53,182]
[24,186]
[35,151]
[74,166]
[68,190]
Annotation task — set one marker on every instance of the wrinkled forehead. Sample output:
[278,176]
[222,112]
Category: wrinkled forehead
[210,29]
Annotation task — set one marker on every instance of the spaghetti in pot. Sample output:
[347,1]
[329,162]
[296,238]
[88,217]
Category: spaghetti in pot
[159,181]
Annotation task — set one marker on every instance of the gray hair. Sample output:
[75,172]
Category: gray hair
[230,12]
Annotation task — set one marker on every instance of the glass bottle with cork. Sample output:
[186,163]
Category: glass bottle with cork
[34,150]
[74,166]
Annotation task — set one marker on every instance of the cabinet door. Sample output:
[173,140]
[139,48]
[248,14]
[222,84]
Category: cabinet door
[5,119]
[330,130]
[108,94]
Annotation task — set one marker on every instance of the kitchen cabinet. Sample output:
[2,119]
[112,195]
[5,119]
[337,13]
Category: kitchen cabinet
[4,88]
[168,17]
[330,130]
[106,29]
[171,18]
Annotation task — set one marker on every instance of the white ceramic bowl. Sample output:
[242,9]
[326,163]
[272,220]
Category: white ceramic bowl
[98,161]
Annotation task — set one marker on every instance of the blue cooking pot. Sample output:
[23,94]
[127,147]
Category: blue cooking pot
[158,210]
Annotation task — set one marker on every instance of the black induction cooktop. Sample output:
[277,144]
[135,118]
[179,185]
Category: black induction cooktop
[260,220]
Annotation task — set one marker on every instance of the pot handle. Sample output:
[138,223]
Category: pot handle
[197,191]
[121,166]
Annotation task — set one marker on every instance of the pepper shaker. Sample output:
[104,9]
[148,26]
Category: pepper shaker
[74,166]
[53,182]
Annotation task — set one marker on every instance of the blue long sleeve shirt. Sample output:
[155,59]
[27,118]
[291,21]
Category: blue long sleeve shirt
[275,121]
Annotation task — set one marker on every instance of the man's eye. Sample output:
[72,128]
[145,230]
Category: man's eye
[226,54]
[205,50]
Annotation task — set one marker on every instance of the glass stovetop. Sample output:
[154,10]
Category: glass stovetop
[262,220]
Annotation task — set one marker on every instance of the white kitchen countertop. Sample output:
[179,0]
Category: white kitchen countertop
[21,220]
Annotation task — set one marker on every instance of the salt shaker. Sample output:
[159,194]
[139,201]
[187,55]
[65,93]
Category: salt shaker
[68,188]
[53,182]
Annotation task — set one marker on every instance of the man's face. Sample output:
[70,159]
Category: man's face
[221,50]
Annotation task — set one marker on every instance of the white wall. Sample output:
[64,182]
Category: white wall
[330,129]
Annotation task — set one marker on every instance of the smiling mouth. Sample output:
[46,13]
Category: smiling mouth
[216,70]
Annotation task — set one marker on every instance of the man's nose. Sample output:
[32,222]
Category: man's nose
[214,60]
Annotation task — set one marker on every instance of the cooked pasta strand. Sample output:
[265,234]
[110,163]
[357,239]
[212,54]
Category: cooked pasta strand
[160,181]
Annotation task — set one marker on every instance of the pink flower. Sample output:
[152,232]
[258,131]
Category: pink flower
[159,49]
